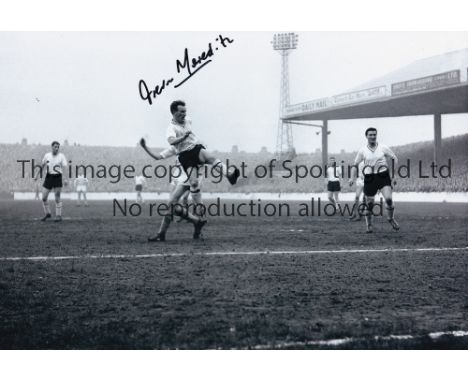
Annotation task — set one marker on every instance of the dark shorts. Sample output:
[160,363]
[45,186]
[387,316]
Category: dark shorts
[334,186]
[190,158]
[375,182]
[52,181]
[139,187]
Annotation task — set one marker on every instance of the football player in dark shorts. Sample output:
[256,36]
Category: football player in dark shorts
[376,176]
[191,152]
[333,173]
[55,164]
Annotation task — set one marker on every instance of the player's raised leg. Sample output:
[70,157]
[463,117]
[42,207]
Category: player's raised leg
[220,167]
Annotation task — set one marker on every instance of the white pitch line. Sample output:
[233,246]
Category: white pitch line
[228,253]
[347,340]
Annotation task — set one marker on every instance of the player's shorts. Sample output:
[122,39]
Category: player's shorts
[334,186]
[375,182]
[139,187]
[190,158]
[53,181]
[81,189]
[359,182]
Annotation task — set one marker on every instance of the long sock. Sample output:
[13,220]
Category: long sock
[390,212]
[197,201]
[45,205]
[370,207]
[58,209]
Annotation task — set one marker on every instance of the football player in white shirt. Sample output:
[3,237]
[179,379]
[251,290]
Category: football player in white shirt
[333,182]
[139,181]
[191,152]
[181,187]
[55,164]
[81,187]
[376,176]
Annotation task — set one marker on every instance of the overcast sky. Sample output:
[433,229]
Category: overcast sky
[83,86]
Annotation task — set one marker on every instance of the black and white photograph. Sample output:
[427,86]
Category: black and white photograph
[227,190]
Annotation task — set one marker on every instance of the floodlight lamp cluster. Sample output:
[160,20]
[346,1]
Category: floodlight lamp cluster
[285,41]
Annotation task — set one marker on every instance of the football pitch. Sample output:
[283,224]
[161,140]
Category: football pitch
[94,282]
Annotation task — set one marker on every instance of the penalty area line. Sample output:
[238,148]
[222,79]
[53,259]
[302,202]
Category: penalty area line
[228,253]
[349,340]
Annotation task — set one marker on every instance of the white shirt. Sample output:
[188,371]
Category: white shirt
[139,179]
[81,181]
[55,163]
[176,131]
[333,173]
[375,160]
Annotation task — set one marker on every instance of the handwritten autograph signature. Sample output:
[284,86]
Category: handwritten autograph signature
[189,66]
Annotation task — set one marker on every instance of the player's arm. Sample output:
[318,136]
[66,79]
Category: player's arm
[175,141]
[148,151]
[391,155]
[167,153]
[171,136]
[359,158]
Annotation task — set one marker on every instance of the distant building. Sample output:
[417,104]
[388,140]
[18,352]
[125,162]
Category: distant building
[235,149]
[24,142]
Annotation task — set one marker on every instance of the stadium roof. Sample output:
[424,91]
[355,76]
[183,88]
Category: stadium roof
[434,85]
